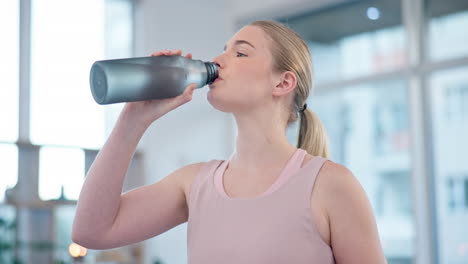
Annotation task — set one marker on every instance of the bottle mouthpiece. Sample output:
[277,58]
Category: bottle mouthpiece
[212,72]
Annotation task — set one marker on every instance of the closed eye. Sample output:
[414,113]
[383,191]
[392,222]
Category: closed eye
[238,54]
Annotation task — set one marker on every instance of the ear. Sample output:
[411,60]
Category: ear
[287,82]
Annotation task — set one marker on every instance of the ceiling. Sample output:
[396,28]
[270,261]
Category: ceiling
[349,18]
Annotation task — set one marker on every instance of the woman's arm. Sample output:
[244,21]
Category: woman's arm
[353,230]
[104,217]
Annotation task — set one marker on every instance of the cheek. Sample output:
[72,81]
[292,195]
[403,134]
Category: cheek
[253,78]
[251,73]
[252,84]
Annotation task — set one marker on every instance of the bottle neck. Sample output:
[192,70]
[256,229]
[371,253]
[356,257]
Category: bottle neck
[212,72]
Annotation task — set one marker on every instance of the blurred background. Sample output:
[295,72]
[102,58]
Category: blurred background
[391,86]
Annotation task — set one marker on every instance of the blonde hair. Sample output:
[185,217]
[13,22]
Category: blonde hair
[291,53]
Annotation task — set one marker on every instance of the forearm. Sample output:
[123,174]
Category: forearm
[100,196]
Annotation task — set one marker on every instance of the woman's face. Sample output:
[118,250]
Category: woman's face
[245,78]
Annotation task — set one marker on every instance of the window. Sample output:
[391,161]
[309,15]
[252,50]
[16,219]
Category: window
[47,50]
[67,37]
[9,70]
[8,169]
[63,111]
[373,40]
[449,105]
[370,136]
[63,216]
[61,173]
[449,18]
[364,107]
[7,233]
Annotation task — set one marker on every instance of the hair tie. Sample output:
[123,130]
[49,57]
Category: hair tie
[303,109]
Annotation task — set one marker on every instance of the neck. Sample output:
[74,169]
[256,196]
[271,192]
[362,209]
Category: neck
[261,143]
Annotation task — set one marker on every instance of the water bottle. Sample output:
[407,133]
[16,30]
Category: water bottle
[147,78]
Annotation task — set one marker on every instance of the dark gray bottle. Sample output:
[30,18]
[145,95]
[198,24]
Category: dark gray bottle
[147,78]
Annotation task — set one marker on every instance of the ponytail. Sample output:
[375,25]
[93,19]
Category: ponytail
[291,53]
[312,135]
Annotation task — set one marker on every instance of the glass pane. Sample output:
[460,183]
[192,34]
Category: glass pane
[368,130]
[61,168]
[119,44]
[449,102]
[8,169]
[63,111]
[63,218]
[373,40]
[9,69]
[118,27]
[7,233]
[447,29]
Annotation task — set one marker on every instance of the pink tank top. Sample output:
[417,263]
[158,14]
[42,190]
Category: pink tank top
[275,227]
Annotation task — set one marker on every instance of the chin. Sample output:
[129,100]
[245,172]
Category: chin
[213,100]
[217,102]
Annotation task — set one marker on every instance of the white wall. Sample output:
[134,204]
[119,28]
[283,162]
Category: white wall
[196,131]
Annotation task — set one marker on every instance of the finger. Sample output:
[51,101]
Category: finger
[160,52]
[189,55]
[190,88]
[176,52]
[184,97]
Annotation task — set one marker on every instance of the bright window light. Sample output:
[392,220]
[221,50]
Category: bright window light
[9,54]
[67,37]
[61,168]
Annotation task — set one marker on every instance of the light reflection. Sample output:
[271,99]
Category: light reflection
[76,250]
[373,13]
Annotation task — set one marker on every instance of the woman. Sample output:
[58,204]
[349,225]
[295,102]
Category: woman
[271,202]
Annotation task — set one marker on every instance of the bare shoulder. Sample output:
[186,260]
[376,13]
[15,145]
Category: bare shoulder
[330,168]
[186,175]
[335,179]
[330,179]
[352,227]
[338,188]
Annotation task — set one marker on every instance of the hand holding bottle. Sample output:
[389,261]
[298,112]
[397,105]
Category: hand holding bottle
[150,110]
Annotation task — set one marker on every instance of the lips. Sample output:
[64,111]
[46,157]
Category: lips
[219,77]
[214,82]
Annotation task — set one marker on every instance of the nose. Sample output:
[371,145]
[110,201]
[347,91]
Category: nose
[219,60]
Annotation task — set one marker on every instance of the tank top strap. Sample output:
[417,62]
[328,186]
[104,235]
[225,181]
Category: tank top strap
[293,165]
[307,176]
[218,177]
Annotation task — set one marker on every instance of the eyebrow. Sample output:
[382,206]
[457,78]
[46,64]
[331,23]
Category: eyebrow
[240,41]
